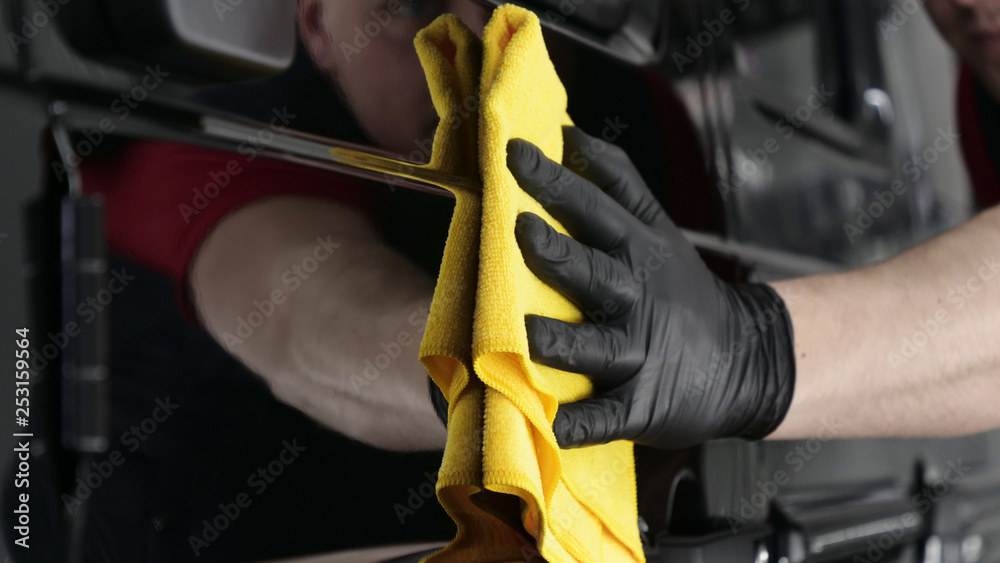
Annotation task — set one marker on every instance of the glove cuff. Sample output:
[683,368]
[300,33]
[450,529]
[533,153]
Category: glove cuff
[773,365]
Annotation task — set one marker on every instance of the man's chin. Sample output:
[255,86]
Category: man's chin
[413,144]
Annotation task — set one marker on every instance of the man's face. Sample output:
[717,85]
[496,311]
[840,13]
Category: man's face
[972,28]
[365,47]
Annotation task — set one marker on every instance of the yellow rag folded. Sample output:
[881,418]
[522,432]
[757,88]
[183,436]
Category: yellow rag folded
[503,474]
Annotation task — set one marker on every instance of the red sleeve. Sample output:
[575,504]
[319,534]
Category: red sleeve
[985,180]
[162,199]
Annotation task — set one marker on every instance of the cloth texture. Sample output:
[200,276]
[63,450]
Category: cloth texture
[513,493]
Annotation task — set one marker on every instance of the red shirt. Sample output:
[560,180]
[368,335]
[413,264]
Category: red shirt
[162,198]
[982,170]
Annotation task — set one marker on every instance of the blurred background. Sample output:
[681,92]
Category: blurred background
[766,127]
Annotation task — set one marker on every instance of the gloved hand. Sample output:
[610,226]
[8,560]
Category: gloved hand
[676,355]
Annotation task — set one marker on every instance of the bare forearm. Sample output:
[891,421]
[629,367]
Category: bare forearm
[347,315]
[910,347]
[353,339]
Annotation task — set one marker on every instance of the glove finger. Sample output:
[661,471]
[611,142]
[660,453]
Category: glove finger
[610,169]
[591,422]
[599,352]
[588,277]
[587,213]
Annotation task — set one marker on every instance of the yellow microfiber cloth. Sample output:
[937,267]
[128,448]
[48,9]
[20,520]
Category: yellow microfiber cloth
[503,475]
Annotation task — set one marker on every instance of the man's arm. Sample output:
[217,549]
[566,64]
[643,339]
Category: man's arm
[305,293]
[910,347]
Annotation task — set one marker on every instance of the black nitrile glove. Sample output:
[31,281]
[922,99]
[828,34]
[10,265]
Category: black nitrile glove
[677,356]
